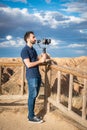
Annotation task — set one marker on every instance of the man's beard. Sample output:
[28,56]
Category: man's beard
[33,42]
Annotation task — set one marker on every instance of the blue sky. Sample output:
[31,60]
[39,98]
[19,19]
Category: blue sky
[63,21]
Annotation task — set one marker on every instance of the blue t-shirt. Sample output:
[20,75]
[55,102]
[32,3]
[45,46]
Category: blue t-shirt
[30,53]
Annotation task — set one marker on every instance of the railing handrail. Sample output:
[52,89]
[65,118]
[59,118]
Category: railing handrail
[57,102]
[69,70]
[11,63]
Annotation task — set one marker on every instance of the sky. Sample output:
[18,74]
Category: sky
[62,21]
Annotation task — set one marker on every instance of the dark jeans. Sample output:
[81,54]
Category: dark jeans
[33,88]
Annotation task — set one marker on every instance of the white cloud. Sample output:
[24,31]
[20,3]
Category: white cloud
[47,18]
[12,43]
[24,1]
[13,11]
[18,42]
[76,45]
[83,31]
[55,19]
[55,42]
[48,1]
[82,52]
[9,37]
[15,18]
[79,7]
[76,19]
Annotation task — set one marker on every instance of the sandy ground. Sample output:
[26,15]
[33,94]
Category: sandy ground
[14,117]
[18,121]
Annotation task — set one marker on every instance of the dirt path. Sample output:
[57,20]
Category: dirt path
[13,116]
[18,121]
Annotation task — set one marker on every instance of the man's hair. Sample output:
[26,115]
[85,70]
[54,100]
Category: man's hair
[27,34]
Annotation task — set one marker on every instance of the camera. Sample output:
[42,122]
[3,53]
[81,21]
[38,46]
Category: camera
[45,42]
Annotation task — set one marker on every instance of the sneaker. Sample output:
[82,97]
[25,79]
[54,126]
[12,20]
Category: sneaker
[36,120]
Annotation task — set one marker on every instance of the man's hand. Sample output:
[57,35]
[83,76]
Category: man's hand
[42,60]
[44,57]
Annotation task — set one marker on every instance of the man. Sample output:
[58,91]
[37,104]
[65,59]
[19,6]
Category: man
[31,61]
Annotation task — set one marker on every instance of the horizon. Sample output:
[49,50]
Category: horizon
[62,21]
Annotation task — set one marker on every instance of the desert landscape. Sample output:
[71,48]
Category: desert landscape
[13,113]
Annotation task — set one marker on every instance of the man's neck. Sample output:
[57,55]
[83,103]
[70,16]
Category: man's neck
[29,44]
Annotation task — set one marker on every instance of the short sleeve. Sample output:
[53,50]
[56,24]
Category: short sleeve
[24,54]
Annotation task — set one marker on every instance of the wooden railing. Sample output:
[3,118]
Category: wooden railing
[22,77]
[48,100]
[67,109]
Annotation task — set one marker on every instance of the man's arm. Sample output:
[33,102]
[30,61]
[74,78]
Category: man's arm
[32,64]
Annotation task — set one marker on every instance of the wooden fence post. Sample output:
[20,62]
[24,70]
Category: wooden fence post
[22,79]
[50,78]
[70,92]
[50,81]
[45,89]
[59,87]
[84,100]
[0,81]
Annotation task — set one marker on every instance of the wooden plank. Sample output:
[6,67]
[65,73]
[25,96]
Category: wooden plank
[69,71]
[0,81]
[45,89]
[14,63]
[22,79]
[50,81]
[70,114]
[11,63]
[59,87]
[84,99]
[48,107]
[70,92]
[9,97]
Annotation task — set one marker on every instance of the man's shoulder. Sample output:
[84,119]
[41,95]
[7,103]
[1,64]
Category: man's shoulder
[25,52]
[24,48]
